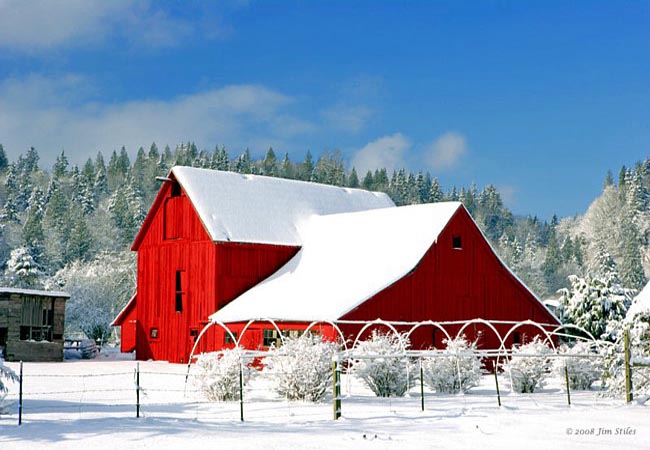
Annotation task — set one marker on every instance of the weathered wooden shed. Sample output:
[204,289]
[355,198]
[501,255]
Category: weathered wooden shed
[32,324]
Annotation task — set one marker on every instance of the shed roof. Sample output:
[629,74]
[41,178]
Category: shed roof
[345,259]
[258,209]
[35,292]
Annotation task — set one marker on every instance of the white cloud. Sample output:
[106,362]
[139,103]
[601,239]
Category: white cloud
[387,151]
[54,113]
[347,117]
[41,25]
[446,151]
[508,194]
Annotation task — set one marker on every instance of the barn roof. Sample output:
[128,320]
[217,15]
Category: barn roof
[345,259]
[258,209]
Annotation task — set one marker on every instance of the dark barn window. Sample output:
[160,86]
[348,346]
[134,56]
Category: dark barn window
[37,319]
[457,243]
[179,293]
[516,339]
[176,189]
[229,339]
[153,333]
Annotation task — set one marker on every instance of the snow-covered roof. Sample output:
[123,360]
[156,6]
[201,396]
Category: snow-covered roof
[641,303]
[35,292]
[344,260]
[253,208]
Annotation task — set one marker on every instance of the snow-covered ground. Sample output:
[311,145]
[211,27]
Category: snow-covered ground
[91,404]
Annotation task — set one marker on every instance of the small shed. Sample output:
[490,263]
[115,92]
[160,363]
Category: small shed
[31,324]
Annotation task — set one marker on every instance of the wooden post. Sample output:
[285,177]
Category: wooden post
[137,390]
[20,395]
[421,386]
[336,377]
[496,381]
[628,367]
[241,392]
[566,376]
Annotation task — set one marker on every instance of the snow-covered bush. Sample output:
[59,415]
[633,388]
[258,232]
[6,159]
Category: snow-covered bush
[527,373]
[217,374]
[301,368]
[582,371]
[22,271]
[458,370]
[386,377]
[6,374]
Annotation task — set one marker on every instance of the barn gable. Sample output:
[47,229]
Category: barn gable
[358,265]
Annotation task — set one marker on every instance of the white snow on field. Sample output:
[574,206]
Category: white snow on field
[253,208]
[344,260]
[91,404]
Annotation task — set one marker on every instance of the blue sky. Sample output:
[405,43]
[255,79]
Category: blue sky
[538,98]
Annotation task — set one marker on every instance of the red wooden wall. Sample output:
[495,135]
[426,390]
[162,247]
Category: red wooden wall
[451,284]
[173,240]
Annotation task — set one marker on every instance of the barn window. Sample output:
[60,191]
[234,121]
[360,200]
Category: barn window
[153,333]
[176,189]
[37,319]
[457,243]
[179,292]
[516,338]
[271,337]
[229,339]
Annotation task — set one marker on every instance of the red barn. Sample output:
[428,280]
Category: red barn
[232,248]
[210,236]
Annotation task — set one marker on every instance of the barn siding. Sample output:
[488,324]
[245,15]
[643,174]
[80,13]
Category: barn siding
[213,275]
[450,284]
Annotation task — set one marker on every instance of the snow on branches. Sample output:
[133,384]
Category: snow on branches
[582,371]
[596,304]
[529,365]
[218,374]
[388,376]
[458,370]
[301,367]
[6,374]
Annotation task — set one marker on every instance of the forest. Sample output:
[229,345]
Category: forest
[71,226]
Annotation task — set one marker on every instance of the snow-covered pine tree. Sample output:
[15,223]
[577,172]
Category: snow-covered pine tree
[22,270]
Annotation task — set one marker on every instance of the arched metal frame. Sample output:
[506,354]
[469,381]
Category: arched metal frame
[502,350]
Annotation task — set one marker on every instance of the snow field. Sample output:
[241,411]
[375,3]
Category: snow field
[91,404]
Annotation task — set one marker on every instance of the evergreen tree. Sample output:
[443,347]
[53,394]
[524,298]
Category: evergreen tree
[631,268]
[32,232]
[306,168]
[31,161]
[435,194]
[368,182]
[609,179]
[79,245]
[286,168]
[353,179]
[270,164]
[60,166]
[22,270]
[4,162]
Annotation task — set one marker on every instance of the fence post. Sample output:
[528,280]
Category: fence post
[20,395]
[421,386]
[137,390]
[628,367]
[566,376]
[496,380]
[336,377]
[241,391]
